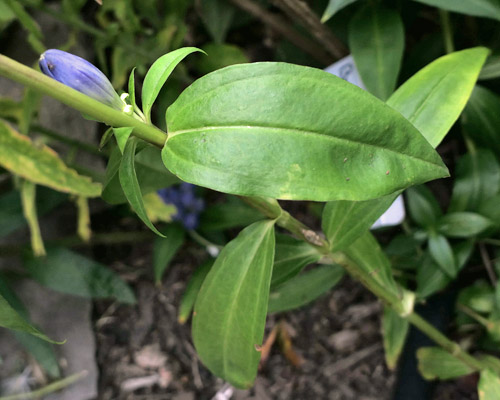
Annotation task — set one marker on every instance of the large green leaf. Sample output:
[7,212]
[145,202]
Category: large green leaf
[481,119]
[290,132]
[230,310]
[478,8]
[394,330]
[72,273]
[334,6]
[489,385]
[462,224]
[442,253]
[434,97]
[292,255]
[10,319]
[41,165]
[368,255]
[344,221]
[477,179]
[130,184]
[304,288]
[158,75]
[435,362]
[376,40]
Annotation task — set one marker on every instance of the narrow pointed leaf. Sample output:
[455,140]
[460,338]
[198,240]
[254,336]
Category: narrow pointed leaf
[130,184]
[291,132]
[376,40]
[292,255]
[344,221]
[434,97]
[437,363]
[394,331]
[442,253]
[304,288]
[41,165]
[368,255]
[10,319]
[158,75]
[230,310]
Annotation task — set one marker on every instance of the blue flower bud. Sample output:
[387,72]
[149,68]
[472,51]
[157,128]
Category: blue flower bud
[79,74]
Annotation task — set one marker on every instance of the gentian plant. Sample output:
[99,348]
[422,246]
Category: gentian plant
[272,131]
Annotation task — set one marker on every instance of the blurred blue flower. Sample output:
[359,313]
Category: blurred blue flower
[188,205]
[79,74]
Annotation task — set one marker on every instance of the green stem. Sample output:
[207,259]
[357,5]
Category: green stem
[447,31]
[29,77]
[51,388]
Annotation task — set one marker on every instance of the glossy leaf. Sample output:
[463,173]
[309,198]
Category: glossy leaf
[462,224]
[165,249]
[192,290]
[72,273]
[268,129]
[130,184]
[478,8]
[304,288]
[436,363]
[477,180]
[230,310]
[10,319]
[434,97]
[442,253]
[41,165]
[481,118]
[344,221]
[292,255]
[376,40]
[158,75]
[368,255]
[333,7]
[394,331]
[489,385]
[423,206]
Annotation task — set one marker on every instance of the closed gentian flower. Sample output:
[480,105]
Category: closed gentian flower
[188,205]
[79,74]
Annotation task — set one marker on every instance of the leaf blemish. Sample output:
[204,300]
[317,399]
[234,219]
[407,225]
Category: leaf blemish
[387,172]
[345,159]
[258,347]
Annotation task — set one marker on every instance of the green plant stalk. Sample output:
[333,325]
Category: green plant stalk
[29,77]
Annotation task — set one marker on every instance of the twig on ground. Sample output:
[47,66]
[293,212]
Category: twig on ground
[299,11]
[283,28]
